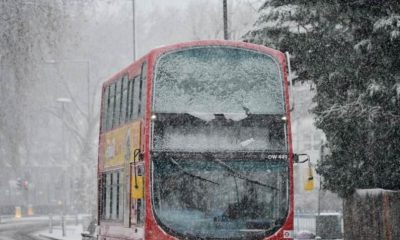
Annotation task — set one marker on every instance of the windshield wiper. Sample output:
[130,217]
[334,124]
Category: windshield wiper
[235,173]
[182,169]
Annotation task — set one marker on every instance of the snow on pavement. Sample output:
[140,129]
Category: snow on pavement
[72,232]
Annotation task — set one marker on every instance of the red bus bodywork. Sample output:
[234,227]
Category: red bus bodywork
[151,229]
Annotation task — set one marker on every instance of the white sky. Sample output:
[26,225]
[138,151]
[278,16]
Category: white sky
[149,4]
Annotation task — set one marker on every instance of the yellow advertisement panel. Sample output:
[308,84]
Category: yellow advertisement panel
[137,187]
[120,144]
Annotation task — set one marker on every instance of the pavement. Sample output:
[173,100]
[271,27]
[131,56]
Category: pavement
[72,229]
[72,232]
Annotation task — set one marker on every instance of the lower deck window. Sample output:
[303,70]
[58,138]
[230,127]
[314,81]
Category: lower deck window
[113,195]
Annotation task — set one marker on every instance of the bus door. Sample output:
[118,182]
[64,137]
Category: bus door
[137,194]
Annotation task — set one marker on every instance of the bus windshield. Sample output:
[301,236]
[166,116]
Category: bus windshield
[243,197]
[218,80]
[219,144]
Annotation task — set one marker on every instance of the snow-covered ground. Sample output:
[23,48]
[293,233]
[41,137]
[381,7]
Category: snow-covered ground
[72,232]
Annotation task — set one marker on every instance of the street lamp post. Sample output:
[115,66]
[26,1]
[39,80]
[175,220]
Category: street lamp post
[67,100]
[225,19]
[63,101]
[134,30]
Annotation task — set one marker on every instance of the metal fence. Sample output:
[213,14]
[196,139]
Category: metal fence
[305,222]
[325,225]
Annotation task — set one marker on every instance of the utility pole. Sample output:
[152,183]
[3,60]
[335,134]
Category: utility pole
[321,159]
[225,19]
[64,160]
[88,87]
[134,30]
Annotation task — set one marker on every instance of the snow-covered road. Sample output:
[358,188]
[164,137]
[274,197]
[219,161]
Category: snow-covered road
[21,230]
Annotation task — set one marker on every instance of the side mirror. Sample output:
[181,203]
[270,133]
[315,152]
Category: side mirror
[137,187]
[309,181]
[309,174]
[137,155]
[296,158]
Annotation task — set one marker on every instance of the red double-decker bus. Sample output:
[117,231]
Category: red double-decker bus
[195,143]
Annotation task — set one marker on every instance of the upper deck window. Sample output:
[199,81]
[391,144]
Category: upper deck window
[218,80]
[124,100]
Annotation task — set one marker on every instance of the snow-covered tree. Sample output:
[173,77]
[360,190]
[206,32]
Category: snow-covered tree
[28,30]
[349,49]
[36,37]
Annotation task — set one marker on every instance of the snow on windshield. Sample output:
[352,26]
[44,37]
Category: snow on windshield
[218,80]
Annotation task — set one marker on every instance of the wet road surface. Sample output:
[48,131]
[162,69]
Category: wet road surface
[22,230]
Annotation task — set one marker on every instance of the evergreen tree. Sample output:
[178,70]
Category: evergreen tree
[350,50]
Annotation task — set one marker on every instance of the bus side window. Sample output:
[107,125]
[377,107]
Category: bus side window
[136,97]
[131,99]
[111,109]
[117,111]
[102,203]
[105,102]
[124,97]
[108,197]
[128,100]
[120,196]
[142,87]
[112,196]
